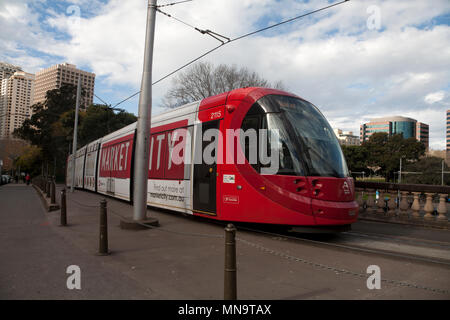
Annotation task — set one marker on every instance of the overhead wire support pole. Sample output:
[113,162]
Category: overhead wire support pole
[75,133]
[141,159]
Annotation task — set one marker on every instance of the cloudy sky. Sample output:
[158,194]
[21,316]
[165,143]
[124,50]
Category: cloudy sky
[355,61]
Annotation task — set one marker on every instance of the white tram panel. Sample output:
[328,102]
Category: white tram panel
[114,163]
[173,193]
[79,167]
[90,166]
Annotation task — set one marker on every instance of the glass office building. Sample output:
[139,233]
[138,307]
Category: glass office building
[396,125]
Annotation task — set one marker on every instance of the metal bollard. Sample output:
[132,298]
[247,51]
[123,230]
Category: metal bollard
[63,221]
[103,241]
[53,192]
[230,290]
[48,188]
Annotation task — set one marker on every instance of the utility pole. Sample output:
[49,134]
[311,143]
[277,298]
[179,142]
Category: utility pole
[442,177]
[144,121]
[75,133]
[400,172]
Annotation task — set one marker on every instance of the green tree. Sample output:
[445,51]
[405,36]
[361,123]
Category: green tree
[385,151]
[40,130]
[51,126]
[30,160]
[427,170]
[99,120]
[356,158]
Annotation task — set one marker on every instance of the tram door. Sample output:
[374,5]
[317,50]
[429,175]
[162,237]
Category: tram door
[204,191]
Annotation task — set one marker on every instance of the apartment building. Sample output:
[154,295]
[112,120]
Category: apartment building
[54,76]
[16,96]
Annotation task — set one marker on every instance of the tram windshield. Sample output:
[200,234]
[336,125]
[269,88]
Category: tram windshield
[307,144]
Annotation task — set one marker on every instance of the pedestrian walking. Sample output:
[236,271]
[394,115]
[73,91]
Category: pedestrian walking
[27,179]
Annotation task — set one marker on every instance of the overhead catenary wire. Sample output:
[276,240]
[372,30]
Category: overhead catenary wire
[173,3]
[208,32]
[107,104]
[235,39]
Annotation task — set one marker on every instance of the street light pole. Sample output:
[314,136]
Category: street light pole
[75,134]
[144,120]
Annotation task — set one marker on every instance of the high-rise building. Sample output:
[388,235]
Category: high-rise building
[423,133]
[395,125]
[16,97]
[53,77]
[7,70]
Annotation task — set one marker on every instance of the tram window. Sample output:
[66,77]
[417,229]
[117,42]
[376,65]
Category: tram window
[252,121]
[158,151]
[289,163]
[251,145]
[175,138]
[257,119]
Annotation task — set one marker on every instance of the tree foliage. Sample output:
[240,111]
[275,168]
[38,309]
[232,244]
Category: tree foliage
[50,128]
[203,79]
[30,160]
[384,152]
[427,170]
[10,150]
[99,120]
[356,157]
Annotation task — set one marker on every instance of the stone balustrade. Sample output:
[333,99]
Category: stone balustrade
[403,203]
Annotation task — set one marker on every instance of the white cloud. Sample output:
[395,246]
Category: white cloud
[434,97]
[331,58]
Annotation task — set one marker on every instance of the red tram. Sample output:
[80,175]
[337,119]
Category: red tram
[202,162]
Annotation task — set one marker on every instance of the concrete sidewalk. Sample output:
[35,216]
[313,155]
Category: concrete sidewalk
[34,257]
[183,259]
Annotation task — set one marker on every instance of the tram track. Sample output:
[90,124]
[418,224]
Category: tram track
[337,241]
[402,239]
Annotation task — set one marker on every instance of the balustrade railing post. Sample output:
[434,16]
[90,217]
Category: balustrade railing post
[371,204]
[53,192]
[416,205]
[428,207]
[392,205]
[48,188]
[404,205]
[442,208]
[369,201]
[381,203]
